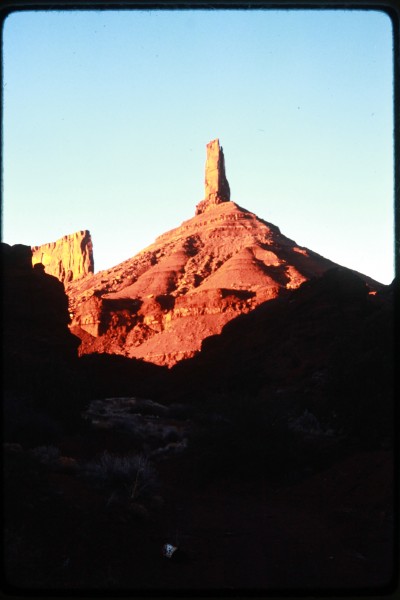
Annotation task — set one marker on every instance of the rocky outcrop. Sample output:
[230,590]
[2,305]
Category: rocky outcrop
[216,184]
[161,304]
[69,258]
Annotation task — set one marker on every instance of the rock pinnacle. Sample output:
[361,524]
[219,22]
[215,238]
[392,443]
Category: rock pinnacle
[216,184]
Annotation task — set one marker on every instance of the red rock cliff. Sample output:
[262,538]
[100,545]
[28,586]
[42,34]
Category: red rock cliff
[69,258]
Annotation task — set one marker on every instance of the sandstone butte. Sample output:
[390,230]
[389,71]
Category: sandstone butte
[162,303]
[69,258]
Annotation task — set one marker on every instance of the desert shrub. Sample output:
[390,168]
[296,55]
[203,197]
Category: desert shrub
[133,474]
[46,455]
[170,449]
[170,435]
[308,424]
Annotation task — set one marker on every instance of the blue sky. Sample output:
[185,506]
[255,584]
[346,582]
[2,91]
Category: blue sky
[106,116]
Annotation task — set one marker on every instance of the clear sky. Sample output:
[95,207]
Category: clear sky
[106,116]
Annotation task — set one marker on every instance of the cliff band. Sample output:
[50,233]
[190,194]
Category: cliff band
[69,258]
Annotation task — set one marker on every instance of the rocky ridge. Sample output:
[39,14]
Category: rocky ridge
[162,303]
[69,258]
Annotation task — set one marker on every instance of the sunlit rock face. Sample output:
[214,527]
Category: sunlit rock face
[161,304]
[216,184]
[69,258]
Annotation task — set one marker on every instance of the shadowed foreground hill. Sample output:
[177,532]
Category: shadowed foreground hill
[326,348]
[44,383]
[274,473]
[37,343]
[41,388]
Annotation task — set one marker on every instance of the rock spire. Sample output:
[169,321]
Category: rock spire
[216,184]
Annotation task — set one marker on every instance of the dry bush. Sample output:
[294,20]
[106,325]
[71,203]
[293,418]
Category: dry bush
[133,475]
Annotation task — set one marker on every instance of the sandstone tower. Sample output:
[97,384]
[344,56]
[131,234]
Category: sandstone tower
[216,184]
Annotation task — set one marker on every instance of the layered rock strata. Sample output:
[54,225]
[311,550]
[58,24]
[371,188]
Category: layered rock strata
[161,304]
[69,258]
